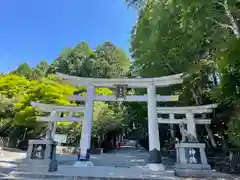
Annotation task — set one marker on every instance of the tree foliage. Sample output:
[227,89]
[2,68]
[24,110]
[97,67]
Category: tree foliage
[106,61]
[200,38]
[39,84]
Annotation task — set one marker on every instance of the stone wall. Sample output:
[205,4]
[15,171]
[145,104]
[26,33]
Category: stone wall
[74,150]
[66,150]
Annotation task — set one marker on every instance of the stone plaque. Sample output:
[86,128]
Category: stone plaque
[38,151]
[120,91]
[193,155]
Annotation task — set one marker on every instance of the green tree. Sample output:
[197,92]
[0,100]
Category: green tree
[182,36]
[111,61]
[20,114]
[23,70]
[41,69]
[106,61]
[234,129]
[77,61]
[13,85]
[104,121]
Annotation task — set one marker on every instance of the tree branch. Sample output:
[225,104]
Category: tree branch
[221,24]
[233,23]
[169,66]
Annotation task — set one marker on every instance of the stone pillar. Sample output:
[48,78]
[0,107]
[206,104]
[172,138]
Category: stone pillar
[50,134]
[85,142]
[54,129]
[171,117]
[191,125]
[153,133]
[55,117]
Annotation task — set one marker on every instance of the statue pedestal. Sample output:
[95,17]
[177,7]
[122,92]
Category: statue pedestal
[41,156]
[191,160]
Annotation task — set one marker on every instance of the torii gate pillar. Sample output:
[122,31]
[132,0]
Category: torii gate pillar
[153,132]
[85,142]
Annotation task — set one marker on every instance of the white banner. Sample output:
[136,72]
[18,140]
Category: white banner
[60,138]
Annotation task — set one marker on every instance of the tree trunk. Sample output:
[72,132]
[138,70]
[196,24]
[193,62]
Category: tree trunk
[224,145]
[195,97]
[198,101]
[114,142]
[210,135]
[100,140]
[12,142]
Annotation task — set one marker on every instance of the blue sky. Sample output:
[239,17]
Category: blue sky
[32,30]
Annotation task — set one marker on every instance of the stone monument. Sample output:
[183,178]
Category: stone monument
[41,153]
[191,156]
[191,160]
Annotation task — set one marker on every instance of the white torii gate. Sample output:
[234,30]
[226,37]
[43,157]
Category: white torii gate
[54,116]
[151,98]
[189,112]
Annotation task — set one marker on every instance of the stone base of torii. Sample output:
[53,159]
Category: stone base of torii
[40,157]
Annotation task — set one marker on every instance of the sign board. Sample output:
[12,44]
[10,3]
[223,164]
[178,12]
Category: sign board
[60,138]
[193,155]
[38,151]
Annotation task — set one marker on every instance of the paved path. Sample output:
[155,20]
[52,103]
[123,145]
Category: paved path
[124,157]
[125,162]
[127,156]
[104,172]
[9,161]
